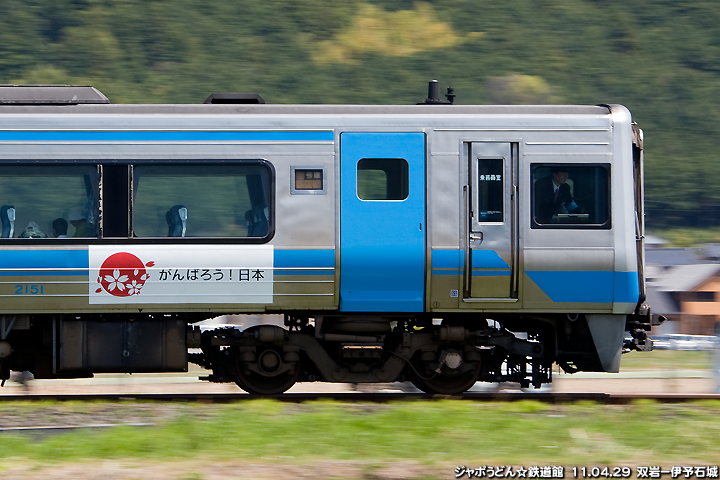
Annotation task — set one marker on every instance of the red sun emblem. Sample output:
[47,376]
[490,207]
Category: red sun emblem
[122,275]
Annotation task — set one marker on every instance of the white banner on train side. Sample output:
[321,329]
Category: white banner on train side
[181,274]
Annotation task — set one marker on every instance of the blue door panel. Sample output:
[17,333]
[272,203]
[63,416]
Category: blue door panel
[382,242]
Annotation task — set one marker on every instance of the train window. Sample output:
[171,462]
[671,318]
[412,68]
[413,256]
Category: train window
[202,200]
[308,181]
[382,179]
[49,201]
[571,196]
[490,190]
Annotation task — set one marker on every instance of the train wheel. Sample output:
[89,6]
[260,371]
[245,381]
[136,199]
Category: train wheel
[449,381]
[447,385]
[267,383]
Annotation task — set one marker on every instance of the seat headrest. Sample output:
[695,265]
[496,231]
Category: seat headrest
[7,214]
[176,219]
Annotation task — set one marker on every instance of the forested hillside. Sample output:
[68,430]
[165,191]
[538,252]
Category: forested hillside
[660,58]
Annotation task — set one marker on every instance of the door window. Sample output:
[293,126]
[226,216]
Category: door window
[490,190]
[382,179]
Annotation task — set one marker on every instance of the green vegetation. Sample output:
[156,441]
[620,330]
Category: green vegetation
[667,360]
[659,58]
[688,237]
[525,433]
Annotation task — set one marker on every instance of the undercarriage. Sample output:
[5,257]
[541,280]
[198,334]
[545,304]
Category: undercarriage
[445,358]
[438,355]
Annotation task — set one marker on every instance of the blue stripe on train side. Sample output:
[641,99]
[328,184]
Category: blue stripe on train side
[299,259]
[47,260]
[163,136]
[487,259]
[481,259]
[447,259]
[627,287]
[588,287]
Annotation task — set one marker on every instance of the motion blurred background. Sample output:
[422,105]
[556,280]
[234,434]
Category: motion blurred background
[659,58]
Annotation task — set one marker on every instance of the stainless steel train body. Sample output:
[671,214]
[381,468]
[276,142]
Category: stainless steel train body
[400,242]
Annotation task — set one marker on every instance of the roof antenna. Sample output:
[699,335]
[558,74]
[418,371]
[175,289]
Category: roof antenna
[434,95]
[450,95]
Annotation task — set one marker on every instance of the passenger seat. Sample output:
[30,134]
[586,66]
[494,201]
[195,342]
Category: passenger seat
[177,221]
[7,212]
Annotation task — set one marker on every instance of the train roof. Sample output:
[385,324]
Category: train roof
[266,109]
[50,95]
[53,99]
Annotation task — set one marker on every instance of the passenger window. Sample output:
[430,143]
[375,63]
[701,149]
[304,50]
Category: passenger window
[570,196]
[202,200]
[382,179]
[49,201]
[490,190]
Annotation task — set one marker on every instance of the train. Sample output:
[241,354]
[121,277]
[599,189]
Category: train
[436,243]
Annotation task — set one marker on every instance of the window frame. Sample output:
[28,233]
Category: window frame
[607,225]
[209,240]
[52,240]
[100,239]
[371,159]
[477,189]
[295,191]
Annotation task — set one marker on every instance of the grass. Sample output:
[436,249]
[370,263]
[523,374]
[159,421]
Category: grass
[460,432]
[688,237]
[667,360]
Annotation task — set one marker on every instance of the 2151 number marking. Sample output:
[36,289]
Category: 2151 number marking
[28,289]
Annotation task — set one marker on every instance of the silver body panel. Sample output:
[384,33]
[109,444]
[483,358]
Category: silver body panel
[540,134]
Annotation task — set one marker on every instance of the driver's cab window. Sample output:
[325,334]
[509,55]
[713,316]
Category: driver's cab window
[570,196]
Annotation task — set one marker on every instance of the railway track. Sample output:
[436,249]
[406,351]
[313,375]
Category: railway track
[604,398]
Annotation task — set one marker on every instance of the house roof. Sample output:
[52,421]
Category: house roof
[661,302]
[683,278]
[666,257]
[712,251]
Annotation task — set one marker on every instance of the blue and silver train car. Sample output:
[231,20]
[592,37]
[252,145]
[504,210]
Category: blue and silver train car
[440,244]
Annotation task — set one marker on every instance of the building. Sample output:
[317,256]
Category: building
[684,285]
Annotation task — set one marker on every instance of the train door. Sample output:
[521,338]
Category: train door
[490,260]
[382,222]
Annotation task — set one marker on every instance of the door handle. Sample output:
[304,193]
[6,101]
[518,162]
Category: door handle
[476,237]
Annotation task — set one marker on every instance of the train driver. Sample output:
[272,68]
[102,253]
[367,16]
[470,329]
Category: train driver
[553,195]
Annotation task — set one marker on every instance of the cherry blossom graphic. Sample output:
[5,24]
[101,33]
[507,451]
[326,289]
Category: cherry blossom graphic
[122,275]
[116,281]
[134,287]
